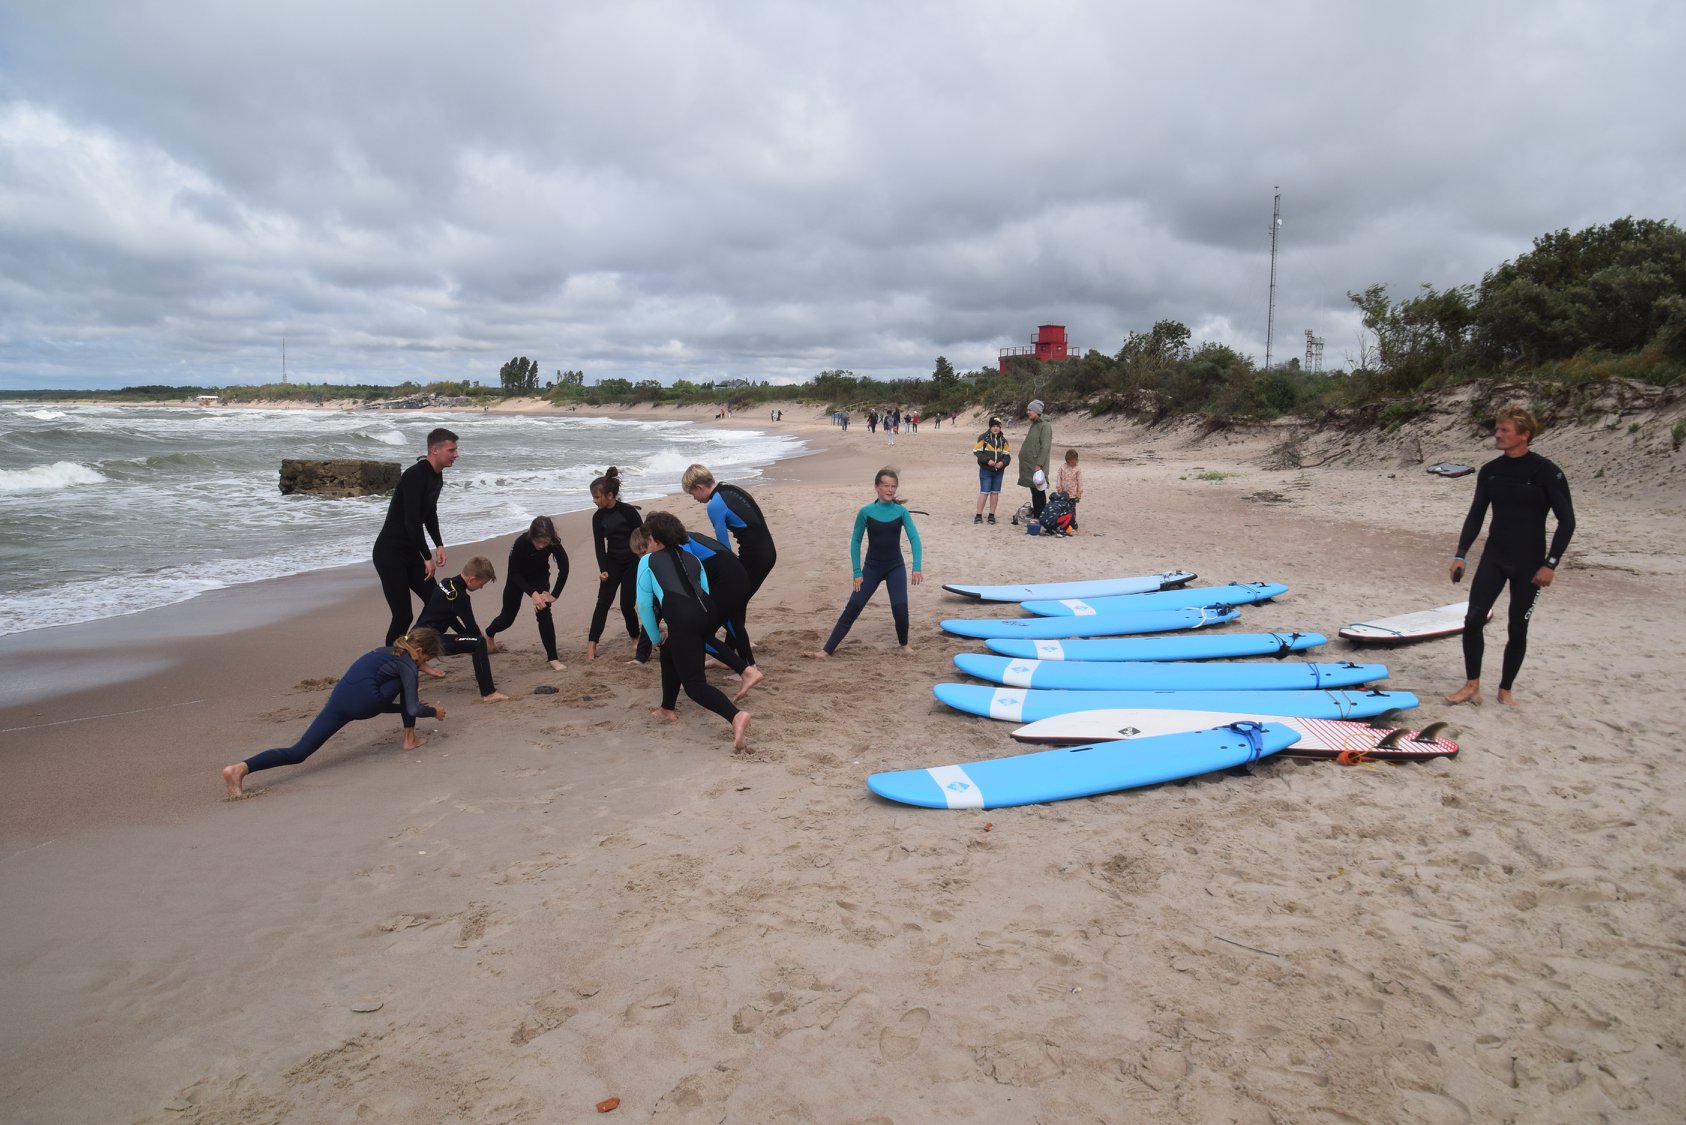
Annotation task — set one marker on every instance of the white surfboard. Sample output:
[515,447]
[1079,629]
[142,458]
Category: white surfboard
[1442,621]
[1318,738]
[1093,588]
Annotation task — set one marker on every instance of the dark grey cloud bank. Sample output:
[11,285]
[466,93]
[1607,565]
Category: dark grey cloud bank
[701,190]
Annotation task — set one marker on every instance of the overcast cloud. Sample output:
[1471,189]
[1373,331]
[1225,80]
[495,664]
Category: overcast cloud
[743,189]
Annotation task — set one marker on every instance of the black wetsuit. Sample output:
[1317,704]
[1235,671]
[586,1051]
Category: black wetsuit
[734,512]
[529,574]
[609,530]
[401,550]
[1520,490]
[728,584]
[452,614]
[378,683]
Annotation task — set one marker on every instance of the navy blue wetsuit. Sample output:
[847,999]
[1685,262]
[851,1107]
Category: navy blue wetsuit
[529,574]
[1520,491]
[675,581]
[401,550]
[452,614]
[374,685]
[609,530]
[734,512]
[882,525]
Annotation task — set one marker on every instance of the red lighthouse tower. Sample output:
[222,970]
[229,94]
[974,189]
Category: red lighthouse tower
[1051,345]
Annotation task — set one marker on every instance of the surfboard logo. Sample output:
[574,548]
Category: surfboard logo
[958,786]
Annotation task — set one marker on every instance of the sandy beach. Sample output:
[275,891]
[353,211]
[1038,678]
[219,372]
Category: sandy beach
[559,900]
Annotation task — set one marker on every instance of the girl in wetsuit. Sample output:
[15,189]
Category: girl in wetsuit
[673,579]
[617,566]
[380,682]
[1521,487]
[529,576]
[881,522]
[734,512]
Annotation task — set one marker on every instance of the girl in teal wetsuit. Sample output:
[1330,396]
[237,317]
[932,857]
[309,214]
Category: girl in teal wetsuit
[881,522]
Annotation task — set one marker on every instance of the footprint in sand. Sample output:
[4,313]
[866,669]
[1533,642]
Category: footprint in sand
[902,1040]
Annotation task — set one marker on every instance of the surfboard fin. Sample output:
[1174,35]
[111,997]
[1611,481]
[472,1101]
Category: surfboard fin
[1391,740]
[1431,732]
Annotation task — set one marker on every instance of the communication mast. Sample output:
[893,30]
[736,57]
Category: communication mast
[1313,351]
[283,360]
[1270,317]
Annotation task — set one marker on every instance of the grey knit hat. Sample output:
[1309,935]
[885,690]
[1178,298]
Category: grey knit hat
[1035,406]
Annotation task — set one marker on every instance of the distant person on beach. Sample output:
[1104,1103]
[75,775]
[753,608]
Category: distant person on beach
[401,555]
[1034,451]
[617,567]
[450,613]
[735,514]
[1521,487]
[994,454]
[674,580]
[872,421]
[1069,480]
[881,522]
[529,577]
[378,683]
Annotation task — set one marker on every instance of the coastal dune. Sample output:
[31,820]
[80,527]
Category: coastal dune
[560,900]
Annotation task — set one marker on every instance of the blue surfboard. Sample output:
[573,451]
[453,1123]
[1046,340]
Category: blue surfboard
[1082,771]
[1205,646]
[1027,705]
[1188,597]
[1111,625]
[1085,675]
[1092,588]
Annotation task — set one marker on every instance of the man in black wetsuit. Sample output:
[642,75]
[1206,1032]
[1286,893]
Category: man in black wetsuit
[401,555]
[1521,487]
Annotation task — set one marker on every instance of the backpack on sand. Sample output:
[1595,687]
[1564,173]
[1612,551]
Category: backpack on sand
[1023,514]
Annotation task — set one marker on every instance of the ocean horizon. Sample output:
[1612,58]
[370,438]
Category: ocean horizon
[110,510]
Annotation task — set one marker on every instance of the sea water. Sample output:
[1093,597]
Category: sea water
[109,510]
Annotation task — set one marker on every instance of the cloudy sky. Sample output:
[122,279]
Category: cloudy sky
[737,188]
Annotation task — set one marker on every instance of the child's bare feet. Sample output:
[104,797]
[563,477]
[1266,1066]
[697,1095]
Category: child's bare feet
[493,697]
[822,654]
[491,645]
[1469,693]
[591,650]
[1504,696]
[558,666]
[740,731]
[665,715]
[233,778]
[907,650]
[412,741]
[751,676]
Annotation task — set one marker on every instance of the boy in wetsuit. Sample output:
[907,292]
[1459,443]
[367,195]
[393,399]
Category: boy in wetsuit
[452,614]
[1521,487]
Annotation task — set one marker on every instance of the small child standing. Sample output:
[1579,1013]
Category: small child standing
[1069,480]
[450,612]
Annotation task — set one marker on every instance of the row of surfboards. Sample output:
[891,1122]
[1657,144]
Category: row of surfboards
[1129,710]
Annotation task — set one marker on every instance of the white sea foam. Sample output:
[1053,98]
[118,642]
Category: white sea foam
[56,477]
[43,415]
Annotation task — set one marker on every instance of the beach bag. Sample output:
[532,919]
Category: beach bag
[1057,515]
[1022,515]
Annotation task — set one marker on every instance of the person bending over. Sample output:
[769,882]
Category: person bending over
[450,613]
[378,683]
[734,512]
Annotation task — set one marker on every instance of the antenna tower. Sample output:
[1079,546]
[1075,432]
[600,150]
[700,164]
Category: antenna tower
[1313,351]
[1270,317]
[283,360]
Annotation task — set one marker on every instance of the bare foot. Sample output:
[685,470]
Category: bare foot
[710,662]
[740,731]
[665,715]
[1469,693]
[1505,696]
[558,666]
[751,676]
[822,654]
[233,778]
[436,673]
[411,742]
[591,650]
[491,645]
[907,650]
[493,697]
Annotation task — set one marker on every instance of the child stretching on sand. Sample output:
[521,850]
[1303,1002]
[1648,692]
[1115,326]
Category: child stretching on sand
[611,523]
[1069,480]
[451,614]
[529,575]
[380,682]
[881,522]
[672,578]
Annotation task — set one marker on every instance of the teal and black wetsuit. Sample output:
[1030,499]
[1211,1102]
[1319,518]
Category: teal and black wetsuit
[734,512]
[882,526]
[676,582]
[1520,491]
[377,684]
